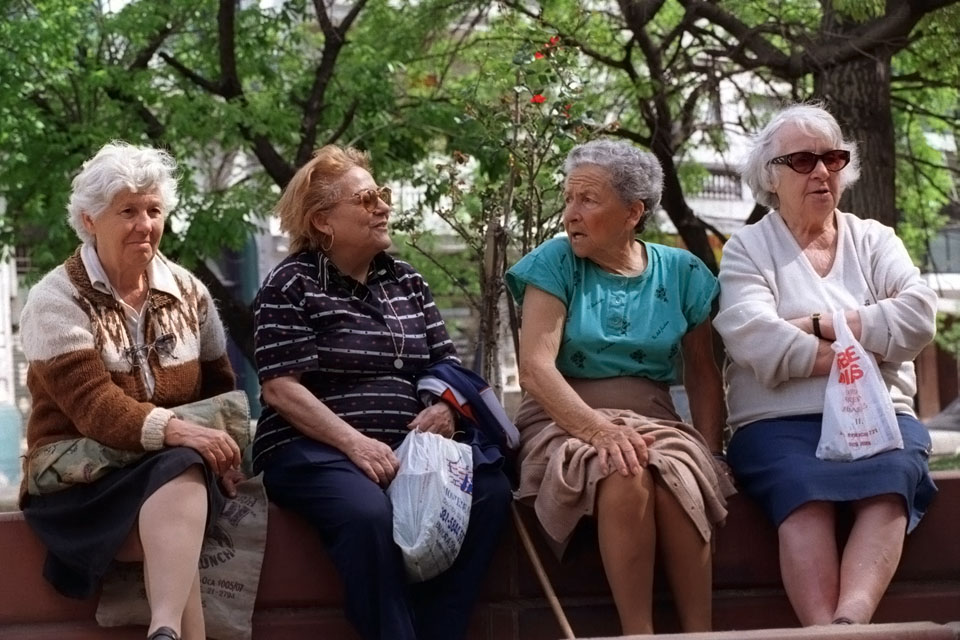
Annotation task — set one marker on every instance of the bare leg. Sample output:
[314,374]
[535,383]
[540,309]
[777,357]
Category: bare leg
[809,562]
[871,555]
[171,532]
[628,536]
[687,563]
[192,622]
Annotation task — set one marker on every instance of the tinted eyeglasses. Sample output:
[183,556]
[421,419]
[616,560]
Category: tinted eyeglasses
[369,198]
[806,161]
[163,345]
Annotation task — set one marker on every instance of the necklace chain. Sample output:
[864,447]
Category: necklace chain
[398,363]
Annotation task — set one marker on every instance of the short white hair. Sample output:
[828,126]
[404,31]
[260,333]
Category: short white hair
[812,119]
[120,166]
[635,175]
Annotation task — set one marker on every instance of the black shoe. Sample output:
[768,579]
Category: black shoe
[164,633]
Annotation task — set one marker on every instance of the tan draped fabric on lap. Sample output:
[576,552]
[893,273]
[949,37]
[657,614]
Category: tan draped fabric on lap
[559,473]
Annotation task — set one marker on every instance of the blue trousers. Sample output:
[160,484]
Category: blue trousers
[355,521]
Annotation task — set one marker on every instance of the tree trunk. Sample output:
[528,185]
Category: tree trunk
[492,289]
[857,93]
[691,230]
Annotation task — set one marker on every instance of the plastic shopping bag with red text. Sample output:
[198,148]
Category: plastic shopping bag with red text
[858,416]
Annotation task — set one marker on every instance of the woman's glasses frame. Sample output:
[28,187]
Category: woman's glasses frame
[368,198]
[806,161]
[164,345]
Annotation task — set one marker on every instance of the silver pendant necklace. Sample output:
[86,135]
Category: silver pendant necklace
[398,362]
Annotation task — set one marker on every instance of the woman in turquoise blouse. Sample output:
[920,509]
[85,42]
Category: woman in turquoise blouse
[606,320]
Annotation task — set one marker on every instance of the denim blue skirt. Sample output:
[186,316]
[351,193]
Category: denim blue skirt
[775,463]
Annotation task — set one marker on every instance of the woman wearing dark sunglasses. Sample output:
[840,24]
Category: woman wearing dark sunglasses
[116,336]
[343,332]
[781,280]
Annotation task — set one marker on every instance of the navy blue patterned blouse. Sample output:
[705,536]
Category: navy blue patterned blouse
[357,347]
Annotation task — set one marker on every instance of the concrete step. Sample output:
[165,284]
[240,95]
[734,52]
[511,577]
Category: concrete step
[899,631]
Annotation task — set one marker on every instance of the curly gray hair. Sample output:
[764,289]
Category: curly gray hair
[635,174]
[116,167]
[811,119]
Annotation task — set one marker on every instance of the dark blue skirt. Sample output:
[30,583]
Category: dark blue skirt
[775,463]
[83,527]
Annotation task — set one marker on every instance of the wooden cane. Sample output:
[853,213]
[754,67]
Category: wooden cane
[541,574]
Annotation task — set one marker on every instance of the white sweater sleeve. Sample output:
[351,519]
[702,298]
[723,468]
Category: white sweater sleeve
[755,337]
[903,321]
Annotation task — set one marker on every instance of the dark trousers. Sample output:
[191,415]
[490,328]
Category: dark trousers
[355,521]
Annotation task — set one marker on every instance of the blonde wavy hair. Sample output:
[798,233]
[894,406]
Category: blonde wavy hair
[314,188]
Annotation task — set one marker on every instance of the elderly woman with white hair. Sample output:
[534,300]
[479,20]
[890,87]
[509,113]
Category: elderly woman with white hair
[781,282]
[115,336]
[606,319]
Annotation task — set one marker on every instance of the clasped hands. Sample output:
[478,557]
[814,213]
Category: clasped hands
[621,448]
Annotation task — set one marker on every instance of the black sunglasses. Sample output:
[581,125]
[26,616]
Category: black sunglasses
[806,161]
[164,345]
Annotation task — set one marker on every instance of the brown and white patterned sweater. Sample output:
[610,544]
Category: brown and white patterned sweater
[74,337]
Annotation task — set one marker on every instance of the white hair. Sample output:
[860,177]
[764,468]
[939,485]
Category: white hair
[120,166]
[812,120]
[636,175]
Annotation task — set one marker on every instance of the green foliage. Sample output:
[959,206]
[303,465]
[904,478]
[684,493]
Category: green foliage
[476,103]
[72,78]
[926,95]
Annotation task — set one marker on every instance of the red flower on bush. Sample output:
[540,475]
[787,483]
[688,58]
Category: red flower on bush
[538,55]
[553,40]
[538,98]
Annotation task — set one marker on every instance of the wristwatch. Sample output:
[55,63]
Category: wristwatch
[816,324]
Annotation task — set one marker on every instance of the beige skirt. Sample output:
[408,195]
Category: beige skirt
[559,473]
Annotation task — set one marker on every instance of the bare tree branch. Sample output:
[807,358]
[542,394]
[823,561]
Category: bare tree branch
[638,13]
[334,39]
[347,119]
[752,50]
[472,299]
[189,74]
[230,86]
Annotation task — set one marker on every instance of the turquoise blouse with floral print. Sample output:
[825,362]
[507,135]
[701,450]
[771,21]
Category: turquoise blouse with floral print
[620,325]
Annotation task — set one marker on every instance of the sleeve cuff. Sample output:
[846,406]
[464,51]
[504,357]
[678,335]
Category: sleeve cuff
[874,335]
[154,426]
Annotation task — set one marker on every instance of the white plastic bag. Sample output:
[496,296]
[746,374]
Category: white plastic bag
[858,416]
[431,495]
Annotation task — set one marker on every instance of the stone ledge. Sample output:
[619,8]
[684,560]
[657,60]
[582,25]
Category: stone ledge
[899,631]
[300,595]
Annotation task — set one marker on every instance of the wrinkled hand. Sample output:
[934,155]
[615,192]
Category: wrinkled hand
[230,480]
[374,458]
[621,449]
[216,447]
[438,418]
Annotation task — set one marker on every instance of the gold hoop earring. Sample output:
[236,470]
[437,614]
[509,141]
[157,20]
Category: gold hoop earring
[326,249]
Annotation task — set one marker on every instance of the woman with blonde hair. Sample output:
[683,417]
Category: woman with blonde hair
[343,331]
